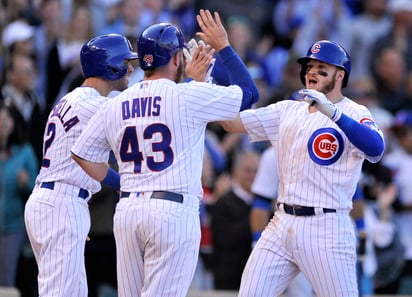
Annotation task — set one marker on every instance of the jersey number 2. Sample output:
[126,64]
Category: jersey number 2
[130,152]
[51,133]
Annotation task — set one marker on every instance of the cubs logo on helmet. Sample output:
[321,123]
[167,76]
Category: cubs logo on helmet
[325,146]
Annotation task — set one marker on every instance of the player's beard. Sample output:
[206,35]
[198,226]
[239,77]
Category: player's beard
[180,71]
[120,84]
[330,86]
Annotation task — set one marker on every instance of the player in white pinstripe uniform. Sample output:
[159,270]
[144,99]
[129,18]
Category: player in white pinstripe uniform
[56,214]
[265,189]
[320,149]
[156,129]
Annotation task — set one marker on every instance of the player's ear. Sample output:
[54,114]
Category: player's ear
[340,74]
[176,59]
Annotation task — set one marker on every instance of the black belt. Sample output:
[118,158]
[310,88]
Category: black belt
[303,210]
[83,193]
[160,195]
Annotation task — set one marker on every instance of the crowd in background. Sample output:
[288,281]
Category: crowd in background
[39,61]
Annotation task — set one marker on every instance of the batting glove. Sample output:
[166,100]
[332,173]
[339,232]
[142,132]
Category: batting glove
[188,53]
[322,103]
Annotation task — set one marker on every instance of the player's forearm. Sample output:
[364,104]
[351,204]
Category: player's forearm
[235,126]
[239,75]
[364,138]
[97,171]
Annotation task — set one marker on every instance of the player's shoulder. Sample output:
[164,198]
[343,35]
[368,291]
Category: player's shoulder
[350,106]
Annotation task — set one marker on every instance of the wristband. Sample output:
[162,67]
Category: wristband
[112,179]
[360,224]
[256,235]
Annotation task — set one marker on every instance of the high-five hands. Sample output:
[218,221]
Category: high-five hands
[190,51]
[198,63]
[322,103]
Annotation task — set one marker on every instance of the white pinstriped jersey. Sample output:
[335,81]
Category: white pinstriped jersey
[266,181]
[65,123]
[312,152]
[156,129]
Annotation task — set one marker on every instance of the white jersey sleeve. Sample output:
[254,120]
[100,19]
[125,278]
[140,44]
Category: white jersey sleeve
[266,182]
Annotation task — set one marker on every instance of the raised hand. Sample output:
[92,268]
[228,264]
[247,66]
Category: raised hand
[198,64]
[314,97]
[213,32]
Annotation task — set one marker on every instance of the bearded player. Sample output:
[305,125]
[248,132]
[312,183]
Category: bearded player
[320,144]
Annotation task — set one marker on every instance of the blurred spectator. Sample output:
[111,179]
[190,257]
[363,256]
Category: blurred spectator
[305,21]
[232,238]
[155,11]
[291,83]
[389,74]
[366,28]
[400,162]
[275,55]
[17,9]
[46,36]
[17,37]
[63,63]
[184,15]
[363,91]
[400,34]
[19,92]
[103,13]
[244,42]
[17,174]
[258,11]
[129,19]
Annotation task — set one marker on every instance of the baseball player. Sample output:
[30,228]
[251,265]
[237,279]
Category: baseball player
[320,144]
[56,214]
[156,129]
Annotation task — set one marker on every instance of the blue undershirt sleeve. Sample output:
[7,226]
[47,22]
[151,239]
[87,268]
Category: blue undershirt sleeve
[262,203]
[239,75]
[367,140]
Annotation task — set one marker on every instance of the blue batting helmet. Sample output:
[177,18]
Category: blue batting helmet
[328,52]
[157,44]
[105,55]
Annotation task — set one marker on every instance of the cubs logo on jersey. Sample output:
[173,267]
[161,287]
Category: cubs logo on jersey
[325,146]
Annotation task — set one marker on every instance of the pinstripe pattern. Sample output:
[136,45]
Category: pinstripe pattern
[82,103]
[157,241]
[325,254]
[321,246]
[58,221]
[57,226]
